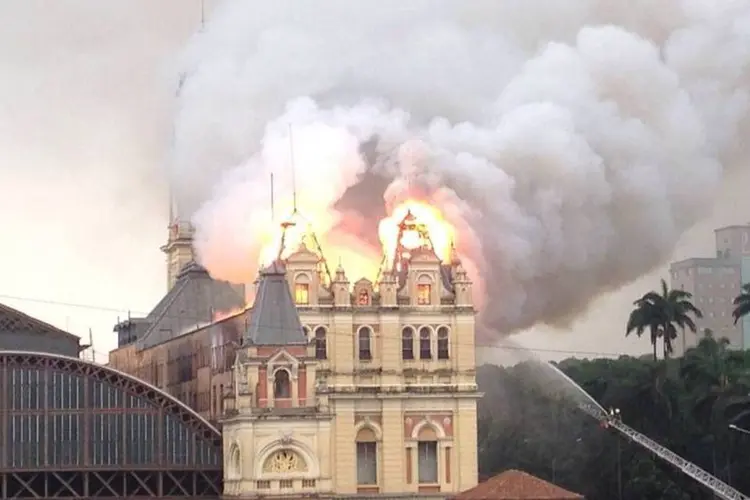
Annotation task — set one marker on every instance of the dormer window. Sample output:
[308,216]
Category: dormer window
[301,294]
[363,299]
[281,384]
[424,294]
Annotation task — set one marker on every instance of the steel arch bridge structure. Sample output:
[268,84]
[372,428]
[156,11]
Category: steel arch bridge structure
[74,429]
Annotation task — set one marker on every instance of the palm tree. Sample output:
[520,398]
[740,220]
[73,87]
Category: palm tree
[742,303]
[645,316]
[662,314]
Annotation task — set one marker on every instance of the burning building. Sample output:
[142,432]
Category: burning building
[331,386]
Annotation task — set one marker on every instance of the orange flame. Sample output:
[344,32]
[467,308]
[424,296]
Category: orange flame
[294,230]
[358,262]
[442,234]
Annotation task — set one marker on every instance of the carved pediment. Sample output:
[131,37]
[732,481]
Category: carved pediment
[284,462]
[283,358]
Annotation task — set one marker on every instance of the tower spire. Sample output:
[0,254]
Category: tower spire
[294,170]
[273,216]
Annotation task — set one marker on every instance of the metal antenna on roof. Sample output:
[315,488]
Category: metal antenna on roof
[273,217]
[203,14]
[294,170]
[91,343]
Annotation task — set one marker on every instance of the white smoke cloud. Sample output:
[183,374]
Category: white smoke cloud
[571,143]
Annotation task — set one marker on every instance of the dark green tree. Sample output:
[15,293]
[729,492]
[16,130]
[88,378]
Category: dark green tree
[530,423]
[646,316]
[663,314]
[742,303]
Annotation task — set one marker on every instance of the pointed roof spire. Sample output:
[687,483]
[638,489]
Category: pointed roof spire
[274,320]
[340,276]
[294,169]
[455,258]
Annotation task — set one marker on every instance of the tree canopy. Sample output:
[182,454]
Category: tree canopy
[697,405]
[742,303]
[663,314]
[686,404]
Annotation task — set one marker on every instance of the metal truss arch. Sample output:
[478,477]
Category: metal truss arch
[117,378]
[70,428]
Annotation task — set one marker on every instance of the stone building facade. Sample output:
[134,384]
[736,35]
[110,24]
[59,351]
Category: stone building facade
[323,386]
[355,389]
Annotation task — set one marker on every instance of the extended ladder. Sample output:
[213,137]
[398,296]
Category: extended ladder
[719,487]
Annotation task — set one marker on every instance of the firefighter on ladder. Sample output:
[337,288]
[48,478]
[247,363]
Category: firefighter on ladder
[612,416]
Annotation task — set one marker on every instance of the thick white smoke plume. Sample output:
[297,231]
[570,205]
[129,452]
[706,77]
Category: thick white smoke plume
[570,143]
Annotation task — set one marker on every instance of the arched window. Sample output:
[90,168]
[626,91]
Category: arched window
[321,346]
[407,343]
[365,343]
[367,457]
[425,343]
[443,343]
[281,384]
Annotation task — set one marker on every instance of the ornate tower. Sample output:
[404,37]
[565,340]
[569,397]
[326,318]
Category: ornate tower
[179,247]
[377,397]
[276,426]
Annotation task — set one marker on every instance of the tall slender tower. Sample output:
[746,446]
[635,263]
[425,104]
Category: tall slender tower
[179,246]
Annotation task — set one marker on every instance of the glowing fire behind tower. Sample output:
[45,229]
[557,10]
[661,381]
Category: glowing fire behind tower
[411,226]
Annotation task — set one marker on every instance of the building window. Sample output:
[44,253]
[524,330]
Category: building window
[424,294]
[427,461]
[321,347]
[365,341]
[443,343]
[301,293]
[407,343]
[363,299]
[425,343]
[281,385]
[367,457]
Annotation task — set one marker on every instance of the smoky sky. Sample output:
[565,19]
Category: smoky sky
[570,144]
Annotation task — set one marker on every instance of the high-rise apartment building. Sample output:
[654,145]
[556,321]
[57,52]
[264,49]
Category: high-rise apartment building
[714,283]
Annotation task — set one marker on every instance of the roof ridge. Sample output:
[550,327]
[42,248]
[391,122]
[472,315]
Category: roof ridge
[20,315]
[515,484]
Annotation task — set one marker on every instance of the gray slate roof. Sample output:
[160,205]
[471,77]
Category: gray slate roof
[274,319]
[193,300]
[15,320]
